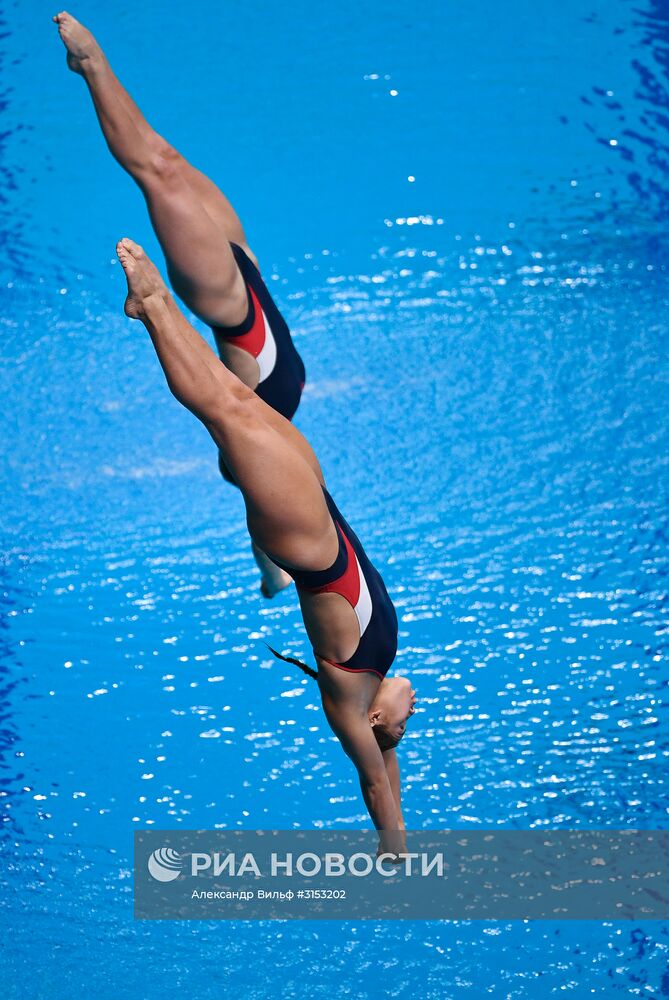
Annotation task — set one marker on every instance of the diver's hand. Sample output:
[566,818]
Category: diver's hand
[390,860]
[392,842]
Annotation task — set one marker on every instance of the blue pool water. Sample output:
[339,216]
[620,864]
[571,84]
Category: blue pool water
[462,211]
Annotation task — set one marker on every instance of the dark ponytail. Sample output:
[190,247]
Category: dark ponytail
[298,663]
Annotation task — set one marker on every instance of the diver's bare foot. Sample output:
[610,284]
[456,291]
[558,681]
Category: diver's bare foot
[144,281]
[82,49]
[274,584]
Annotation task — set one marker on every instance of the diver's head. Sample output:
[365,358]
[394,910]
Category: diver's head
[388,714]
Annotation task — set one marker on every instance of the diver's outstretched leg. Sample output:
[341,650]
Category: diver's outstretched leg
[147,288]
[194,222]
[273,464]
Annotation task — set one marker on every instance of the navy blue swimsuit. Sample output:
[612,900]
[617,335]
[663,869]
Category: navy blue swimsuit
[265,335]
[354,577]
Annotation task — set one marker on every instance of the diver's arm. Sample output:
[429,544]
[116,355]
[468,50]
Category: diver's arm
[352,728]
[393,771]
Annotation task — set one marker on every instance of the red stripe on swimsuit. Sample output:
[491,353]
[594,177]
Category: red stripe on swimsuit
[253,340]
[348,584]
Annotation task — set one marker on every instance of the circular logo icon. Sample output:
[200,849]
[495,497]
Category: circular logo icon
[165,864]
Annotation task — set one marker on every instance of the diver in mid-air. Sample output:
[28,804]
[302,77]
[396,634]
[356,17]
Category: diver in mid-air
[209,262]
[348,615]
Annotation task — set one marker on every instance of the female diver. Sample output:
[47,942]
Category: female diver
[209,261]
[348,615]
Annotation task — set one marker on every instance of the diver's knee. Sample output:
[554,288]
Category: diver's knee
[161,147]
[164,165]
